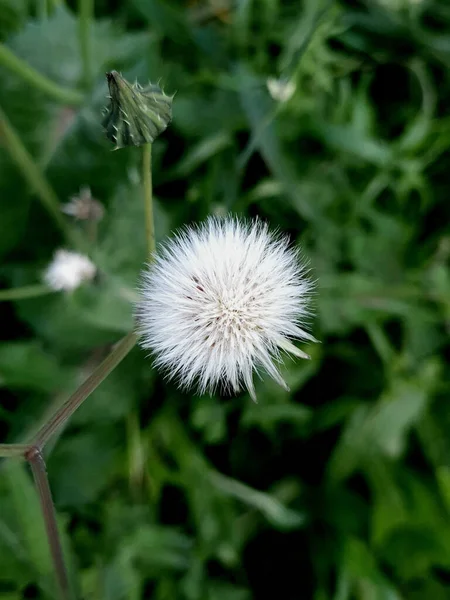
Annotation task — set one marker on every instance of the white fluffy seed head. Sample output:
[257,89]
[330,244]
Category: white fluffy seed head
[223,299]
[68,270]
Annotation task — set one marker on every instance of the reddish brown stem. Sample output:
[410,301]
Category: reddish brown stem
[37,463]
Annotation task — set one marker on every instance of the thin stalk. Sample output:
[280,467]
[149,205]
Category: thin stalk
[136,456]
[85,14]
[9,450]
[34,176]
[27,291]
[12,62]
[148,198]
[42,9]
[37,463]
[118,353]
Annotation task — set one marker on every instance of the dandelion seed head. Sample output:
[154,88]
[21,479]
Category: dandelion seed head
[222,300]
[68,270]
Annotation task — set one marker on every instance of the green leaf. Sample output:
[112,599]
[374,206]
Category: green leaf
[13,14]
[25,365]
[362,569]
[270,507]
[79,471]
[28,516]
[382,430]
[257,108]
[86,319]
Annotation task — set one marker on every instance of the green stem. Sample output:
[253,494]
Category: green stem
[86,14]
[60,417]
[148,198]
[38,467]
[40,82]
[34,176]
[42,9]
[55,3]
[136,456]
[27,291]
[9,450]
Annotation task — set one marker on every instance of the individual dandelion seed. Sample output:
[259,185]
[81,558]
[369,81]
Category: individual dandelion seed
[221,300]
[68,270]
[136,115]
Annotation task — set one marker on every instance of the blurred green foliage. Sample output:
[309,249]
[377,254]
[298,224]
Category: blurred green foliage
[339,490]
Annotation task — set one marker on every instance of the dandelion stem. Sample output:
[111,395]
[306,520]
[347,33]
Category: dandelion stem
[34,176]
[37,463]
[59,418]
[148,198]
[86,13]
[27,291]
[10,450]
[12,62]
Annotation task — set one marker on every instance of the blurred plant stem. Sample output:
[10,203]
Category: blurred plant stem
[36,179]
[60,417]
[15,64]
[27,291]
[148,198]
[136,456]
[10,450]
[38,467]
[42,9]
[85,14]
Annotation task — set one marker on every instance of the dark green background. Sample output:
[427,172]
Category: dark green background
[337,491]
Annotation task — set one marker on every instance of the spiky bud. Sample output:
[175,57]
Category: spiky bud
[135,115]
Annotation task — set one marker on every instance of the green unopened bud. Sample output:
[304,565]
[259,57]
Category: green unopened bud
[136,115]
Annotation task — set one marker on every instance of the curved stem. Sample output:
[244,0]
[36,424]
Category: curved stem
[85,14]
[35,177]
[60,417]
[148,197]
[27,291]
[12,62]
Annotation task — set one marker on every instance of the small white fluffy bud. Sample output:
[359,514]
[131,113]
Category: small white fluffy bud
[68,270]
[280,90]
[223,299]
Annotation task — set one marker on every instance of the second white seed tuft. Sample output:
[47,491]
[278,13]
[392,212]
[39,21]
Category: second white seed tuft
[68,270]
